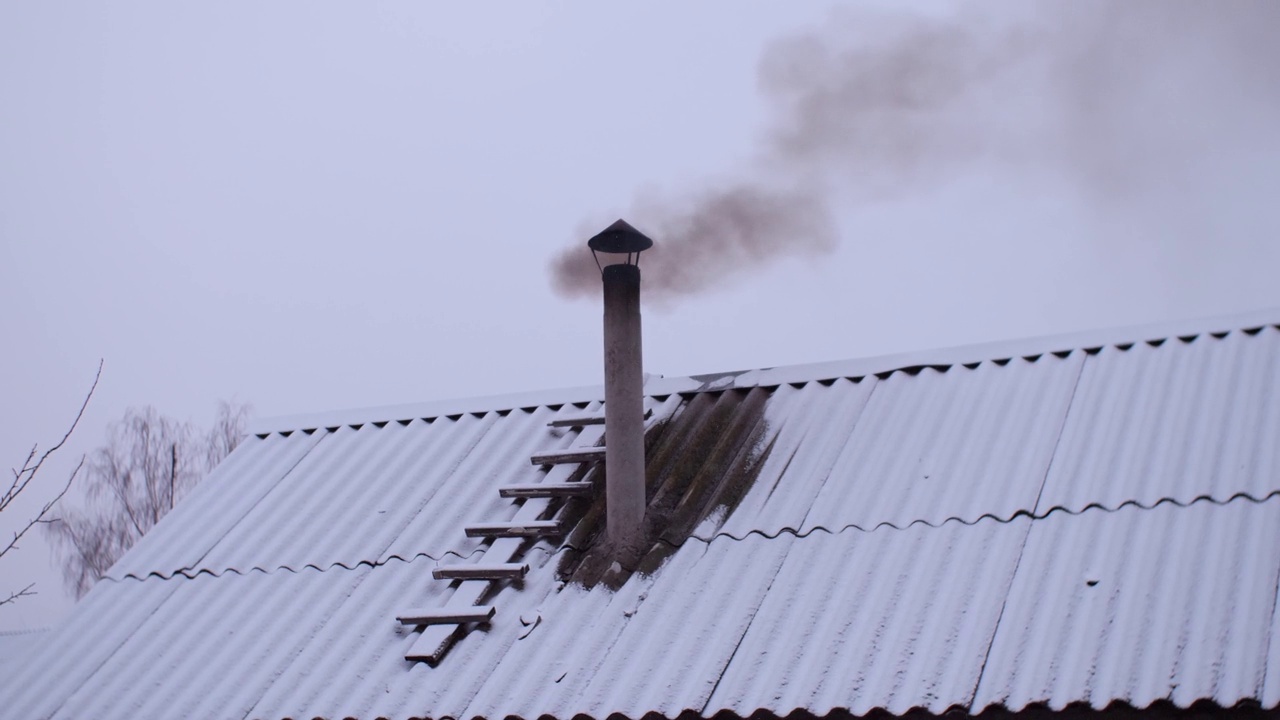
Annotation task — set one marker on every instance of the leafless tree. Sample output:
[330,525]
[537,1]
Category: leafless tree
[227,431]
[148,463]
[22,479]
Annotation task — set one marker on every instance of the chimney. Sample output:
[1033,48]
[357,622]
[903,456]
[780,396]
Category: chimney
[617,251]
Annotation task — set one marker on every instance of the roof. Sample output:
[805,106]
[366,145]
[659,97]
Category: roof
[1063,522]
[15,647]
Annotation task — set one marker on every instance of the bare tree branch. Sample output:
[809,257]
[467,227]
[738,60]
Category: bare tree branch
[22,479]
[39,518]
[27,591]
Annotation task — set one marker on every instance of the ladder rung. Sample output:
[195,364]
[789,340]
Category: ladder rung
[446,616]
[432,644]
[503,571]
[571,455]
[547,490]
[580,421]
[584,420]
[532,528]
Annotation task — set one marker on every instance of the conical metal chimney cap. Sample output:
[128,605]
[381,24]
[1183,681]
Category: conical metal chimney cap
[620,237]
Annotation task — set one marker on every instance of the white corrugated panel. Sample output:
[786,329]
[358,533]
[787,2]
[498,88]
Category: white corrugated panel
[672,652]
[397,490]
[924,583]
[348,499]
[16,649]
[960,444]
[891,619]
[554,665]
[323,644]
[856,620]
[371,662]
[185,535]
[445,504]
[1179,421]
[214,647]
[17,645]
[806,429]
[1139,605]
[84,646]
[543,643]
[1271,682]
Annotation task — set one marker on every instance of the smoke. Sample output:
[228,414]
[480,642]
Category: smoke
[733,227]
[1144,107]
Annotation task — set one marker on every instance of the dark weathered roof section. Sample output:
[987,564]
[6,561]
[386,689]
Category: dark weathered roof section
[1086,525]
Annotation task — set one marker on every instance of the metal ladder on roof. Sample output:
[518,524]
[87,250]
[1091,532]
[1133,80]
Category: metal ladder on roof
[440,625]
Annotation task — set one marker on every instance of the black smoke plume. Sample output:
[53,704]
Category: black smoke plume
[1142,106]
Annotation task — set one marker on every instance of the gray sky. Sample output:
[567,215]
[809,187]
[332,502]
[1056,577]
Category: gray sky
[309,206]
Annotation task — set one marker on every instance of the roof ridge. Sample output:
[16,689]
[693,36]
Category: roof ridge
[1001,351]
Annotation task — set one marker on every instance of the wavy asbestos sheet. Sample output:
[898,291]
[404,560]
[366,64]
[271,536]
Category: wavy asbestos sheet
[1173,603]
[1182,420]
[181,540]
[1092,526]
[956,445]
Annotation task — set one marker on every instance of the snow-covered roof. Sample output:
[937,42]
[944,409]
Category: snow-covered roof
[15,647]
[1066,521]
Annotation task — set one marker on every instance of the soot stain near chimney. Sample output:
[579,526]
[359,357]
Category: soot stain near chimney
[700,464]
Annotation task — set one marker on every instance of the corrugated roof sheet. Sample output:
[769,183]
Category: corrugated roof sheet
[15,648]
[1184,419]
[1086,524]
[1172,603]
[958,443]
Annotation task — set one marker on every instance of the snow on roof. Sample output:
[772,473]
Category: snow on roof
[1059,522]
[15,647]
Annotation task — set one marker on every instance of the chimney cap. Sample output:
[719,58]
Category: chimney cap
[620,238]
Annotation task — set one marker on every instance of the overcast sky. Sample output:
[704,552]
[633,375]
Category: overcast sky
[311,206]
